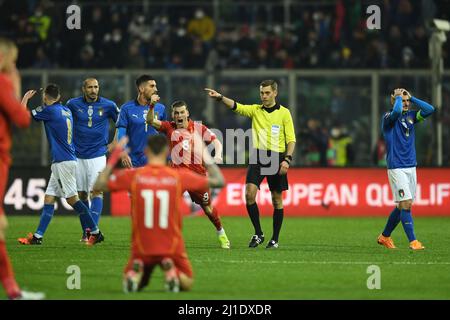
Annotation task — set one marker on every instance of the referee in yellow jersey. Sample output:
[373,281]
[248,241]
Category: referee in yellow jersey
[273,135]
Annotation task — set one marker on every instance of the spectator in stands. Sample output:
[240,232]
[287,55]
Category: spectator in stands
[202,26]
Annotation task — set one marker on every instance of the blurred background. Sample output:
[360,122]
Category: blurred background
[334,74]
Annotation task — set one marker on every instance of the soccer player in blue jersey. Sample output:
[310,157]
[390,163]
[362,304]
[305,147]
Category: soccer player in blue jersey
[398,131]
[91,117]
[132,121]
[58,125]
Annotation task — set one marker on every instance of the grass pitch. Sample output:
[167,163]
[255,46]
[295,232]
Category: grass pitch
[318,258]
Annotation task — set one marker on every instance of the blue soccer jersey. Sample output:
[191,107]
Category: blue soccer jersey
[132,117]
[399,134]
[91,125]
[58,123]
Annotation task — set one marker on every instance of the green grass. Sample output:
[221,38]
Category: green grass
[318,258]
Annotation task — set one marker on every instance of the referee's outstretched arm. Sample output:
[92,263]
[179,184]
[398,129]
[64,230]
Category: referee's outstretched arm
[220,97]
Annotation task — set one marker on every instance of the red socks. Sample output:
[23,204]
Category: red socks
[7,274]
[214,218]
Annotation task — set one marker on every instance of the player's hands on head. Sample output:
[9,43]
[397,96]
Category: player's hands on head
[398,92]
[406,92]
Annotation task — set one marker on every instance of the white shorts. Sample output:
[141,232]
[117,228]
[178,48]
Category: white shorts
[62,181]
[403,183]
[88,171]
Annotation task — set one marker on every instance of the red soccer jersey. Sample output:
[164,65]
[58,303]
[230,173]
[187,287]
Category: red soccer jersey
[182,144]
[11,112]
[156,192]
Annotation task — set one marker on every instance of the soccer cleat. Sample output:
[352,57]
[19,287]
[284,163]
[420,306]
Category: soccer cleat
[256,241]
[95,238]
[133,277]
[27,295]
[31,239]
[386,241]
[272,244]
[224,242]
[416,245]
[85,236]
[170,272]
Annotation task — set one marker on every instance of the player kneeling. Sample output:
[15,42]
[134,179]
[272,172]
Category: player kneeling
[156,192]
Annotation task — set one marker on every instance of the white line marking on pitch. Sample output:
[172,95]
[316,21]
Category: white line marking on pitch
[325,262]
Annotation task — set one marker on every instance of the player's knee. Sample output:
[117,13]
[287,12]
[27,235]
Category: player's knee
[49,199]
[72,200]
[95,194]
[277,200]
[250,196]
[83,195]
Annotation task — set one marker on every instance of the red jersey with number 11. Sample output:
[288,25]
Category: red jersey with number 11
[156,193]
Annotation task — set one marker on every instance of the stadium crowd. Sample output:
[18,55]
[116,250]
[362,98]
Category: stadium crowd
[165,36]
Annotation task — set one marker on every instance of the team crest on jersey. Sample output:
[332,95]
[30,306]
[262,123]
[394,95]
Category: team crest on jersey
[401,193]
[100,112]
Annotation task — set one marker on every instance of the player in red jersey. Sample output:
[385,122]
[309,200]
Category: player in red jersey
[11,112]
[180,132]
[156,192]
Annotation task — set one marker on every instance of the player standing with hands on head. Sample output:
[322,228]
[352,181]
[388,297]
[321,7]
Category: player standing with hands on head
[399,134]
[273,133]
[58,125]
[180,133]
[132,121]
[156,191]
[91,116]
[12,112]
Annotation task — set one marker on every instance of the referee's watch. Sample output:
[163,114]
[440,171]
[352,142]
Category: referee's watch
[288,159]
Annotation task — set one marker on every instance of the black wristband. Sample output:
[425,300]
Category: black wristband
[288,158]
[220,98]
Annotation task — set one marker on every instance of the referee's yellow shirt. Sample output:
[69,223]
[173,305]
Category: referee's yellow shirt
[272,128]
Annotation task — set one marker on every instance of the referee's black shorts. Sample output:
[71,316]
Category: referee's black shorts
[276,181]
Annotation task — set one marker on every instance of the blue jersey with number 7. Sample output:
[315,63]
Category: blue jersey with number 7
[58,123]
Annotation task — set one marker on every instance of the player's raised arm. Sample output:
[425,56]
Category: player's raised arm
[426,109]
[101,184]
[151,120]
[220,97]
[396,100]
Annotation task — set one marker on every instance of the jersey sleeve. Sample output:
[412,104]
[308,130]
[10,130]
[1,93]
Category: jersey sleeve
[288,124]
[122,120]
[41,113]
[207,135]
[11,107]
[247,110]
[114,111]
[121,180]
[191,181]
[165,127]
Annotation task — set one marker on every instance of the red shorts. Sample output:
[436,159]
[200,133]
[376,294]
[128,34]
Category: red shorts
[181,262]
[4,169]
[202,198]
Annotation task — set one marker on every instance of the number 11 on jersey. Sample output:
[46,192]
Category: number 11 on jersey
[149,202]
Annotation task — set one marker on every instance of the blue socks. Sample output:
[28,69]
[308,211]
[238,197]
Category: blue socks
[393,220]
[96,208]
[85,216]
[46,217]
[83,227]
[408,225]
